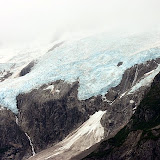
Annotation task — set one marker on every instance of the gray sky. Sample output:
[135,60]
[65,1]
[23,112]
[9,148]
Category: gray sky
[27,21]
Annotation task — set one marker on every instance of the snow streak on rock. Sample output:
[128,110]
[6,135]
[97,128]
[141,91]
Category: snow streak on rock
[31,144]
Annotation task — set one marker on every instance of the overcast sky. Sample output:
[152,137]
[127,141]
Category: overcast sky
[26,21]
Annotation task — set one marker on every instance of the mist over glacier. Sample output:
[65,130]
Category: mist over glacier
[97,35]
[91,60]
[37,21]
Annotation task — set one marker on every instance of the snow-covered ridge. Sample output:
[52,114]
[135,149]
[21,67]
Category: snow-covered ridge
[92,60]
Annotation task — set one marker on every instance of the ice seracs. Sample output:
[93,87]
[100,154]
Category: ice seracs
[93,60]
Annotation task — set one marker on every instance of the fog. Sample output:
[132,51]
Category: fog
[38,21]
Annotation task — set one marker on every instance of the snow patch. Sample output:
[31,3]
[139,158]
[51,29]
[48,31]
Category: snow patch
[51,87]
[134,109]
[57,90]
[31,144]
[131,101]
[16,120]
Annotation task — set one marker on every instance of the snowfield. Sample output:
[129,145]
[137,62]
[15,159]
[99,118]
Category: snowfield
[92,60]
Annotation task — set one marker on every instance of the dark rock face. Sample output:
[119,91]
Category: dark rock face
[55,46]
[140,138]
[13,141]
[48,116]
[26,69]
[2,78]
[119,64]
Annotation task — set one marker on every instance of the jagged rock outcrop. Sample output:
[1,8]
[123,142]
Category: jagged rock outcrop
[119,64]
[140,138]
[13,141]
[27,69]
[5,76]
[55,46]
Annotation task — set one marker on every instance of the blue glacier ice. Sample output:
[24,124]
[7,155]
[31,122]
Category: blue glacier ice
[92,60]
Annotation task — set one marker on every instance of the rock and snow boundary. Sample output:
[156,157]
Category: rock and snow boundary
[88,134]
[92,60]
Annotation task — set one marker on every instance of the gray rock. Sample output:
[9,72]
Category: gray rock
[13,141]
[119,64]
[27,69]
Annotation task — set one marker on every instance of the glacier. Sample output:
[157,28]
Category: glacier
[91,60]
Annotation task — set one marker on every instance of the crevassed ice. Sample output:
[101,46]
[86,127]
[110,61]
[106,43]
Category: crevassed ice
[92,60]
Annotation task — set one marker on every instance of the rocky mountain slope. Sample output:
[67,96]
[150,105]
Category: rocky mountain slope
[48,114]
[74,97]
[140,138]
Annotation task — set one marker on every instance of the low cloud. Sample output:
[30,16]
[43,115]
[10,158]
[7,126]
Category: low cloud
[28,21]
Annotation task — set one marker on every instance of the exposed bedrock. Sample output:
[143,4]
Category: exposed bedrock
[27,69]
[122,103]
[55,46]
[13,141]
[49,113]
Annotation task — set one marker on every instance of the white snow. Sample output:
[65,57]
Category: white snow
[51,87]
[93,60]
[88,134]
[16,119]
[131,101]
[1,108]
[91,128]
[57,90]
[134,109]
[123,94]
[31,144]
[146,80]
